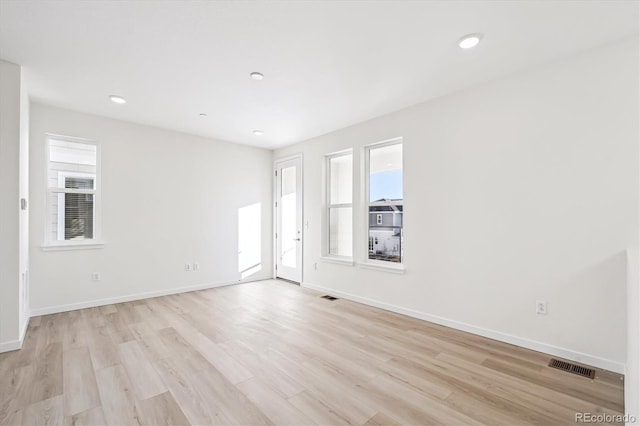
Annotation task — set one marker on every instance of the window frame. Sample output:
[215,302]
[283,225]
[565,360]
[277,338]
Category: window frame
[51,244]
[327,255]
[364,261]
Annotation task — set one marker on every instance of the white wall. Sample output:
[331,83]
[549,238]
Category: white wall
[518,190]
[167,199]
[23,296]
[13,243]
[632,374]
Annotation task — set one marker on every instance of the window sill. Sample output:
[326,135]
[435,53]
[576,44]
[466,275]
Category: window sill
[337,260]
[72,246]
[394,268]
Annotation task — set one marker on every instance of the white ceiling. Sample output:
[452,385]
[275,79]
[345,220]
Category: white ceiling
[328,64]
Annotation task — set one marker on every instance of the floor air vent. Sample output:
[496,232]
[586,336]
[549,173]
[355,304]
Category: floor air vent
[572,368]
[326,296]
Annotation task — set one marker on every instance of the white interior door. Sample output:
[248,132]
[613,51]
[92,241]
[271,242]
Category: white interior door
[289,219]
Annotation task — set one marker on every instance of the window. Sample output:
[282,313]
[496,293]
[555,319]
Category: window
[385,201]
[340,204]
[72,175]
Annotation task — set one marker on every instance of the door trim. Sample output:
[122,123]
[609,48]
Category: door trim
[275,212]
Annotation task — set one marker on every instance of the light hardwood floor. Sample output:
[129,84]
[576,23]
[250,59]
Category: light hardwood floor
[273,353]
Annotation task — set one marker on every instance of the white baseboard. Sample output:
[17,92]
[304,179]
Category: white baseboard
[25,326]
[492,334]
[14,345]
[136,296]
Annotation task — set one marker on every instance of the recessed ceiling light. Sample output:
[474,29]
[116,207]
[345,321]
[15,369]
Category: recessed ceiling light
[258,132]
[256,75]
[469,41]
[118,99]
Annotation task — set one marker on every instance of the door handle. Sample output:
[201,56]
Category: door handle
[296,239]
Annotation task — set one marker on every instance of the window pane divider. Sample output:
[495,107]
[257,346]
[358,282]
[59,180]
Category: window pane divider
[72,191]
[386,203]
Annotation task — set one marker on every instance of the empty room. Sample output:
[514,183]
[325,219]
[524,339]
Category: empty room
[323,212]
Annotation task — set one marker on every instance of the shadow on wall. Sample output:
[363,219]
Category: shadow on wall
[605,277]
[599,294]
[249,240]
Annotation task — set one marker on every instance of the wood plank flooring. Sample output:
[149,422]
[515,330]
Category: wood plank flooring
[273,353]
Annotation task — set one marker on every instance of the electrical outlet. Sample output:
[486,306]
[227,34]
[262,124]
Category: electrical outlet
[95,276]
[187,267]
[315,265]
[541,307]
[196,266]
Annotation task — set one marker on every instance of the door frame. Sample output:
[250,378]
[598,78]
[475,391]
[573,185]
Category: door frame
[275,212]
